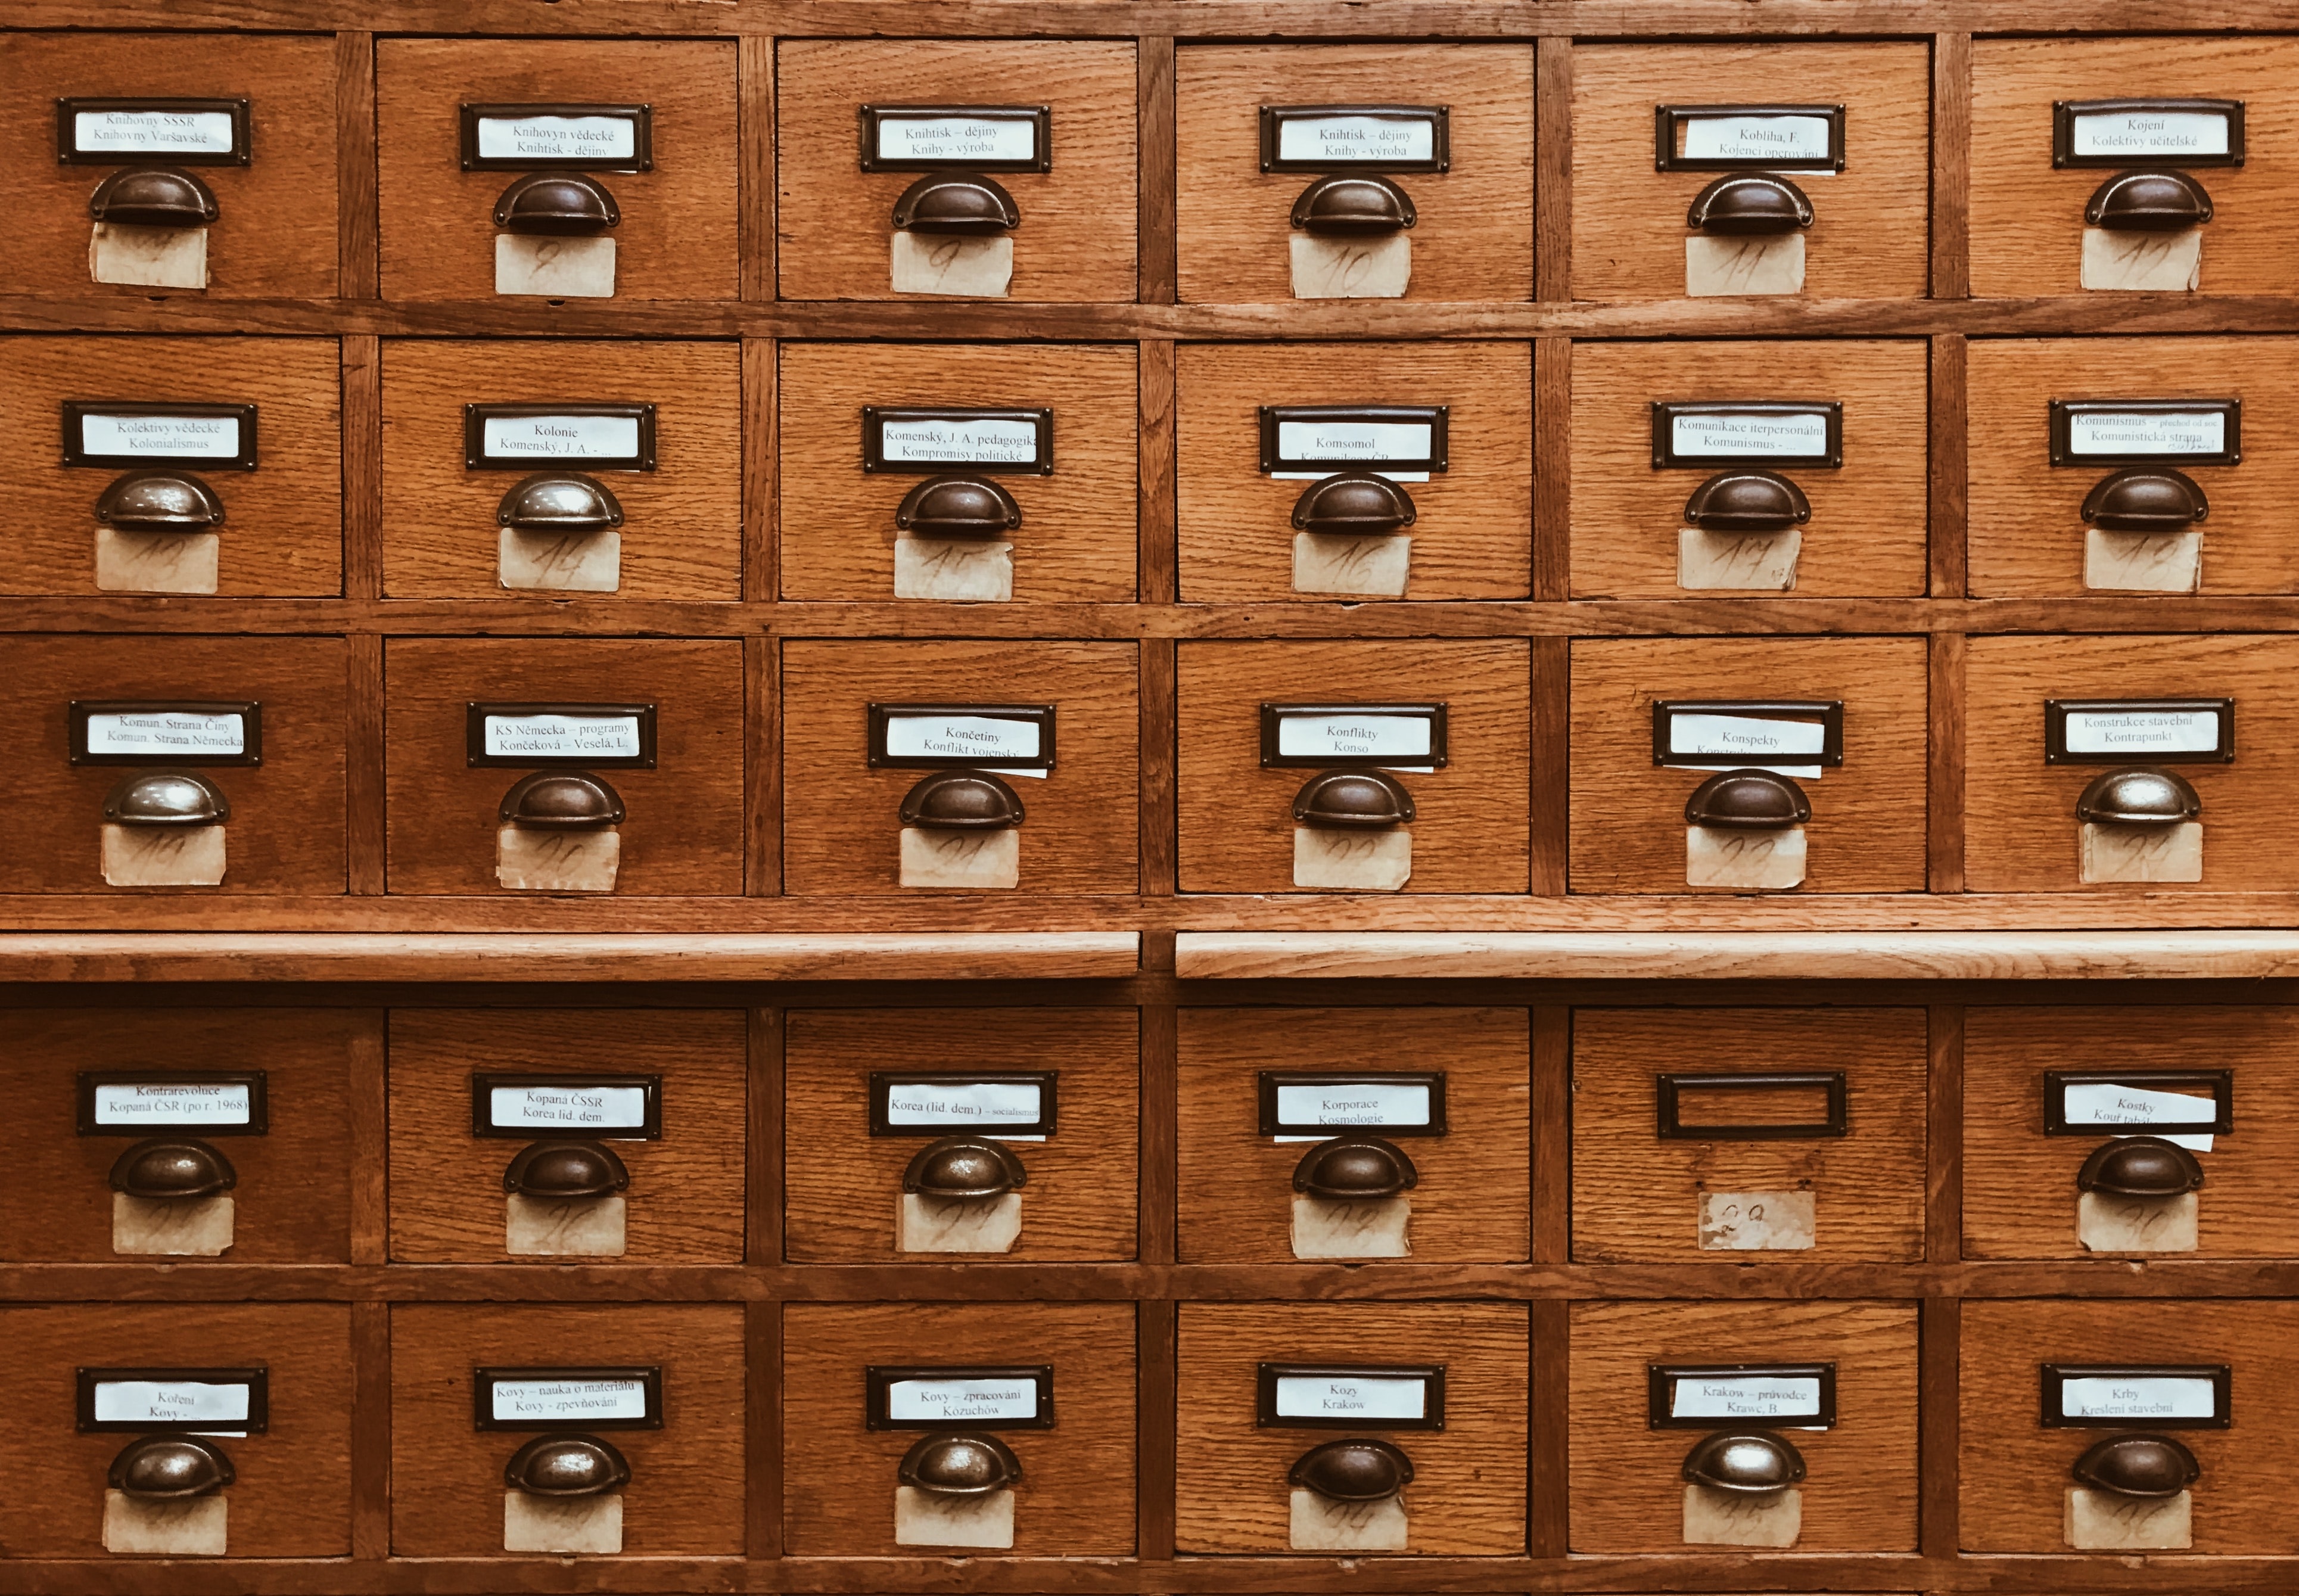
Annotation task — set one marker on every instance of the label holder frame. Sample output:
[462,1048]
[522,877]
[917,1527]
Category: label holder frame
[1828,713]
[475,713]
[68,107]
[1661,1379]
[1668,119]
[1270,124]
[75,455]
[2065,113]
[469,113]
[2053,1378]
[2064,412]
[256,1377]
[251,727]
[484,1081]
[259,1101]
[882,1082]
[1266,1376]
[1275,715]
[1040,117]
[878,1377]
[2055,731]
[1668,1089]
[475,418]
[875,418]
[1268,1081]
[483,1379]
[2222,1083]
[1437,418]
[1043,716]
[1664,412]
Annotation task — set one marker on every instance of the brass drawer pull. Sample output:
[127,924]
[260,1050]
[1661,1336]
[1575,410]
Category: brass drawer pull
[965,1169]
[2145,499]
[1748,800]
[160,501]
[1354,1470]
[172,1169]
[1353,203]
[1744,1462]
[1746,501]
[561,204]
[560,800]
[566,503]
[957,204]
[166,798]
[960,1464]
[2141,1465]
[170,1469]
[563,1171]
[567,1465]
[152,197]
[961,800]
[2140,796]
[1354,1169]
[958,507]
[1354,505]
[2140,1166]
[2148,202]
[1353,801]
[1749,203]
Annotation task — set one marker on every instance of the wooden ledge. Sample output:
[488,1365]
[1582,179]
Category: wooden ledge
[498,956]
[1738,955]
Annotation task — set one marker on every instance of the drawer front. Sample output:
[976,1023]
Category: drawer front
[1868,238]
[1865,534]
[1239,1200]
[291,1496]
[1075,238]
[1074,1493]
[676,239]
[1866,833]
[682,830]
[1471,535]
[844,1181]
[1470,825]
[1629,1490]
[685,1498]
[280,534]
[1780,1184]
[2016,1475]
[2025,1153]
[2029,535]
[843,824]
[2028,215]
[1076,539]
[684,1200]
[2021,829]
[1472,236]
[443,524]
[1466,1495]
[274,234]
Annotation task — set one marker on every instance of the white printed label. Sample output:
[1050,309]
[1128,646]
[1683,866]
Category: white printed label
[1706,435]
[153,132]
[567,1108]
[982,738]
[1342,140]
[988,441]
[908,1401]
[548,1401]
[1756,139]
[2143,1397]
[1343,442]
[183,1103]
[560,437]
[166,732]
[599,139]
[1351,1396]
[962,1103]
[1744,1396]
[1355,736]
[546,736]
[2126,135]
[161,437]
[2107,1106]
[170,1402]
[958,138]
[1745,736]
[1354,1102]
[2143,731]
[2178,432]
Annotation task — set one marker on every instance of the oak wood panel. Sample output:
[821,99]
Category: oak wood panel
[1636,1197]
[2027,218]
[2015,1472]
[1868,238]
[1868,532]
[843,1186]
[2020,1185]
[1075,542]
[1077,235]
[684,830]
[294,1199]
[1472,236]
[677,239]
[1075,1495]
[683,521]
[2027,526]
[685,1202]
[1867,828]
[1467,1498]
[1860,1495]
[685,1494]
[274,234]
[1236,819]
[1473,538]
[282,532]
[1236,1185]
[292,1497]
[841,819]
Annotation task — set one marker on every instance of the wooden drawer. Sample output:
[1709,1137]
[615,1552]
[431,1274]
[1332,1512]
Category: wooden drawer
[1629,1490]
[1076,540]
[844,1175]
[2016,1475]
[684,1201]
[682,826]
[1469,823]
[1866,534]
[842,819]
[681,535]
[1466,1496]
[1075,239]
[1648,1186]
[285,832]
[1866,833]
[281,532]
[1472,535]
[1869,232]
[1075,1496]
[2020,824]
[292,1493]
[2027,534]
[274,233]
[685,1498]
[2027,213]
[676,235]
[1467,1135]
[1472,234]
[2024,1151]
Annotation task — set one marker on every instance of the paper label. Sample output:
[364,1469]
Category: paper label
[1350,1397]
[2135,134]
[185,1102]
[597,139]
[988,1103]
[1755,138]
[1343,1104]
[560,437]
[1343,442]
[979,737]
[971,1400]
[988,441]
[170,1402]
[2137,1398]
[563,737]
[1340,140]
[1766,744]
[165,733]
[2143,731]
[547,1400]
[2105,1105]
[956,138]
[153,132]
[1711,433]
[567,1108]
[1745,1397]
[1355,736]
[2147,432]
[161,437]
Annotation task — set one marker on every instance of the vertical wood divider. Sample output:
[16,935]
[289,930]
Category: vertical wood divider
[1552,169]
[767,1033]
[1158,559]
[762,867]
[366,845]
[371,1426]
[754,89]
[762,768]
[1157,584]
[1156,1416]
[1551,829]
[762,472]
[1944,770]
[356,225]
[1552,468]
[1158,181]
[1951,166]
[1552,1134]
[764,1046]
[1549,1428]
[369,1130]
[762,1429]
[1944,1135]
[1939,1428]
[1947,481]
[360,397]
